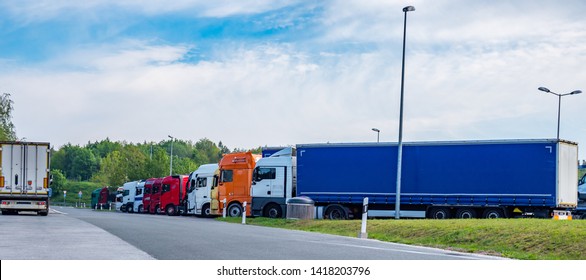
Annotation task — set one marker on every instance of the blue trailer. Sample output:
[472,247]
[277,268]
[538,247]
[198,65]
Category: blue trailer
[459,179]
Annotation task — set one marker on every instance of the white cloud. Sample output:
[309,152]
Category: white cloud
[40,10]
[470,74]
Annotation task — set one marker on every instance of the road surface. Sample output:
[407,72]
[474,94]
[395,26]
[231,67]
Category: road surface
[71,233]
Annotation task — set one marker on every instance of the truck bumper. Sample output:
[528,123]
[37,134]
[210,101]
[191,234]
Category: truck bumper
[24,205]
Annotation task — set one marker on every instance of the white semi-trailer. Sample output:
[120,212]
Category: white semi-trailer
[24,177]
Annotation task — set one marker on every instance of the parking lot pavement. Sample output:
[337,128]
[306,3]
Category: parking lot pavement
[58,237]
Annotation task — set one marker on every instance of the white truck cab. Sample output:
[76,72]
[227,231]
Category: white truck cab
[137,206]
[273,182]
[199,186]
[119,196]
[128,194]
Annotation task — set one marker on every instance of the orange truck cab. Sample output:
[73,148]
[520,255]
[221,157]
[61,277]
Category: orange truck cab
[234,184]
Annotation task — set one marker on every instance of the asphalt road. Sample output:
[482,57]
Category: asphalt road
[87,234]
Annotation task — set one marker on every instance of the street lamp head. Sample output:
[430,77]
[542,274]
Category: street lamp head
[376,130]
[409,9]
[576,92]
[170,136]
[544,89]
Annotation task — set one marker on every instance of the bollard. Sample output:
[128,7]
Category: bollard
[244,213]
[101,207]
[224,211]
[363,233]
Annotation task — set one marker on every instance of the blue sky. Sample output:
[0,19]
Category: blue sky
[252,73]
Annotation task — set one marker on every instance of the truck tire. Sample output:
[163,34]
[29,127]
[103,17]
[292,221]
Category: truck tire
[336,212]
[439,213]
[43,213]
[171,210]
[157,209]
[129,208]
[466,213]
[493,213]
[234,210]
[205,210]
[122,208]
[273,211]
[140,209]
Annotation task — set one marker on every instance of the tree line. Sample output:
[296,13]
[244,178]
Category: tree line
[113,163]
[110,163]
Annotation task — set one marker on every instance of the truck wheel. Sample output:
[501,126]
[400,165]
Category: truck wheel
[234,210]
[129,208]
[140,209]
[336,213]
[272,211]
[466,213]
[206,211]
[157,209]
[493,213]
[439,213]
[44,213]
[171,211]
[123,208]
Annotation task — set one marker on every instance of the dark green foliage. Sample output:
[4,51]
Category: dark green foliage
[113,163]
[6,127]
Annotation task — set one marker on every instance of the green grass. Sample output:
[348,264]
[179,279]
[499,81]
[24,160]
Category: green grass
[527,239]
[73,188]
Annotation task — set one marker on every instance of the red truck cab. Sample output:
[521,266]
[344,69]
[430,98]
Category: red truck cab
[146,198]
[173,194]
[156,197]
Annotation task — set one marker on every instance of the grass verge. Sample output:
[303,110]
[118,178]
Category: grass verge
[527,239]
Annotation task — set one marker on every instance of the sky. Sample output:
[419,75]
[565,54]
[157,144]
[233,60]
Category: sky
[275,73]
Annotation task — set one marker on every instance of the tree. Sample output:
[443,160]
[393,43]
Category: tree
[7,132]
[206,151]
[112,171]
[58,181]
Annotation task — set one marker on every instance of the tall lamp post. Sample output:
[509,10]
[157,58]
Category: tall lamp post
[400,146]
[544,89]
[377,133]
[171,164]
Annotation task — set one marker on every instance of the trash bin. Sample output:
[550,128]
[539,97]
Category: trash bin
[302,208]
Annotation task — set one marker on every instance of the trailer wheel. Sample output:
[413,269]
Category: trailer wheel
[493,213]
[439,213]
[336,212]
[205,210]
[170,210]
[234,210]
[273,211]
[466,213]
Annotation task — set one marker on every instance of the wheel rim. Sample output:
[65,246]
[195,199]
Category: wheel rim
[336,214]
[440,214]
[273,212]
[466,215]
[493,215]
[235,211]
[207,211]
